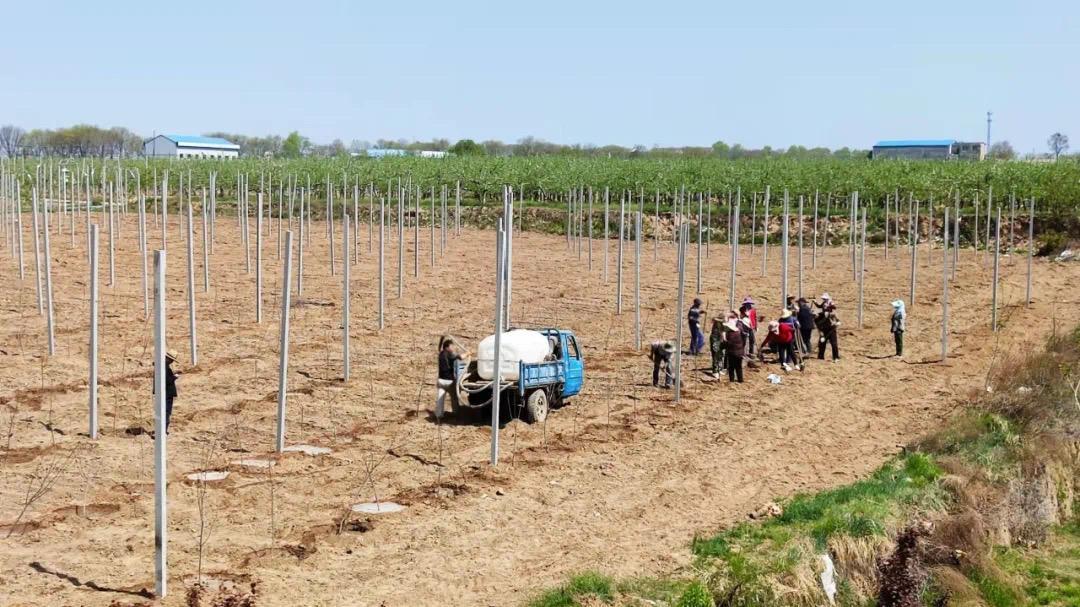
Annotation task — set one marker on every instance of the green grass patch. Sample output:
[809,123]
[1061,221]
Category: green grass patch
[581,585]
[1049,575]
[988,441]
[861,509]
[751,557]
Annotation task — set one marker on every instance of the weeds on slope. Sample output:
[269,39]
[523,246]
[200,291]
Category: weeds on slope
[984,511]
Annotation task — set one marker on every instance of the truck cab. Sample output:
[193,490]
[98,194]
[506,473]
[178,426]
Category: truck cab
[565,350]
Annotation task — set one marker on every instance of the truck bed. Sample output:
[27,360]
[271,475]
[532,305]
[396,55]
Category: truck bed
[535,375]
[531,375]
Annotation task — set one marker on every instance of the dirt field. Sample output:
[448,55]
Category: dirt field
[619,480]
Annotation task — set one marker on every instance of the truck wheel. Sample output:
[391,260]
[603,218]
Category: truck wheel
[536,407]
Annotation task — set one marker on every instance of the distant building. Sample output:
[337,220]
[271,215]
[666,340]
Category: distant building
[970,150]
[929,149]
[390,152]
[385,152]
[189,146]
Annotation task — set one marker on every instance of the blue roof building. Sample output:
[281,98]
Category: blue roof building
[190,146]
[928,149]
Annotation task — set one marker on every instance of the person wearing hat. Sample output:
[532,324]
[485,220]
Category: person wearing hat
[661,352]
[805,316]
[693,318]
[826,302]
[448,357]
[899,318]
[170,387]
[717,343]
[735,346]
[748,313]
[782,337]
[790,336]
[827,325]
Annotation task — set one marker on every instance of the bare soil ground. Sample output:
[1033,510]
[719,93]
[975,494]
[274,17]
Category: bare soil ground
[618,480]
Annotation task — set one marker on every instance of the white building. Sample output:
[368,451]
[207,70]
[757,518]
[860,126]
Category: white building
[189,146]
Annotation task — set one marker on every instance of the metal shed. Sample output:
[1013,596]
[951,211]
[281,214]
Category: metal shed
[190,146]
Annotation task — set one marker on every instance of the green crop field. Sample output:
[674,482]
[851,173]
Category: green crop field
[1054,185]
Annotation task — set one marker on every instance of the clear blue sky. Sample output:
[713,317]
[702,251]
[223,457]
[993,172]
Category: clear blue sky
[669,73]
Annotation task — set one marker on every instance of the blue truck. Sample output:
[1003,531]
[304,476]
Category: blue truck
[539,385]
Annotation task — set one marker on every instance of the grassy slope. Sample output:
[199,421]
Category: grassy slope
[777,562]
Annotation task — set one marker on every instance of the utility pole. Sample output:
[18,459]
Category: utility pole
[989,119]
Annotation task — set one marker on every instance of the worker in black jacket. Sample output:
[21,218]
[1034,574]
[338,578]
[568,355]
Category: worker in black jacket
[449,355]
[806,324]
[170,387]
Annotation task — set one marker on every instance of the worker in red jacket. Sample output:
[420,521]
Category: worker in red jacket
[782,336]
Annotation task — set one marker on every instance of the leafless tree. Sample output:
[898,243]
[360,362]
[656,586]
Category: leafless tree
[1002,150]
[1058,144]
[48,470]
[10,139]
[208,461]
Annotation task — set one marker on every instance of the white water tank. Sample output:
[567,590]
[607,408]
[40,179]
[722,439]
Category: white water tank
[519,345]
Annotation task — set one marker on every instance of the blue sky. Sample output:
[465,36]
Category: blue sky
[668,73]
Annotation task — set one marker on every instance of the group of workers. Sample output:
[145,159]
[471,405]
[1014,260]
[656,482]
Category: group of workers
[731,339]
[790,337]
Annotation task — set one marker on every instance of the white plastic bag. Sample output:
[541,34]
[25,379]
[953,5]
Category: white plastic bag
[828,578]
[774,378]
[519,345]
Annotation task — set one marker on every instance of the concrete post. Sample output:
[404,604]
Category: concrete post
[813,254]
[283,346]
[205,242]
[914,237]
[93,380]
[1030,247]
[345,299]
[161,528]
[48,280]
[382,262]
[496,384]
[997,272]
[684,233]
[258,259]
[765,235]
[37,253]
[619,257]
[191,288]
[637,281]
[945,291]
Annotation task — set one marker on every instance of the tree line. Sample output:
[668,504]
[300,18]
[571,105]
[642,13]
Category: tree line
[80,140]
[118,142]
